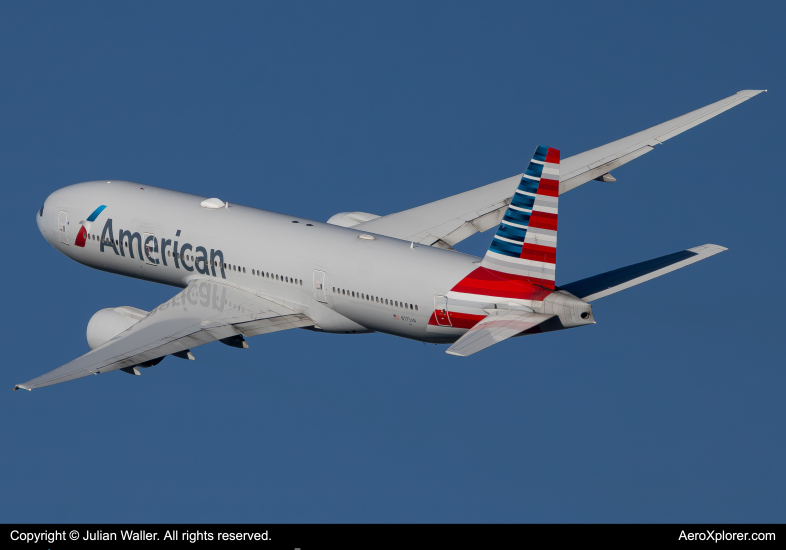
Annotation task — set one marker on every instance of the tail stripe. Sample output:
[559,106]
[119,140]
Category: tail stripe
[521,262]
[527,235]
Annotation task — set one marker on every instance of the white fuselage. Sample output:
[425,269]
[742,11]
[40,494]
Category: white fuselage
[380,284]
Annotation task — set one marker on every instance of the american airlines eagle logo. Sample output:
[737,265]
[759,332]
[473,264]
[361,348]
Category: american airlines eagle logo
[81,237]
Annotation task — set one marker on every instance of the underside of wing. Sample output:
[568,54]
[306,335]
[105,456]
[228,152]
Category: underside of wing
[494,329]
[205,311]
[599,286]
[448,221]
[587,166]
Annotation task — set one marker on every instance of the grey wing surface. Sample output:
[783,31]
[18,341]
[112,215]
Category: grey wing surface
[448,221]
[600,286]
[205,311]
[494,329]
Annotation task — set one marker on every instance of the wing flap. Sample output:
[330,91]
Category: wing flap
[611,282]
[600,169]
[494,329]
[274,324]
[205,311]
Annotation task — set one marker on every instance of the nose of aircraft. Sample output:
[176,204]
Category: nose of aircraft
[39,220]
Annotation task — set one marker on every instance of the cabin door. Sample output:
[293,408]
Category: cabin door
[319,286]
[150,248]
[441,311]
[62,227]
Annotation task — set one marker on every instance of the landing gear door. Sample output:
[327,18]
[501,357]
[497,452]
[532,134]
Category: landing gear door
[441,311]
[150,248]
[62,226]
[319,286]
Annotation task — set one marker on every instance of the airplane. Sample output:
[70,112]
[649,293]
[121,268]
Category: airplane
[244,271]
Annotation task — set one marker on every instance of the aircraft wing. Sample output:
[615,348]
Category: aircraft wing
[495,328]
[600,286]
[448,221]
[205,311]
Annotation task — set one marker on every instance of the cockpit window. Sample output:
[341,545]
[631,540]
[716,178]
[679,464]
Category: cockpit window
[41,212]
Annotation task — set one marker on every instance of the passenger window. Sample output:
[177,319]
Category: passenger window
[416,307]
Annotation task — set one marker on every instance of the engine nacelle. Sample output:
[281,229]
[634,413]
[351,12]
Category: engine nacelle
[107,323]
[351,219]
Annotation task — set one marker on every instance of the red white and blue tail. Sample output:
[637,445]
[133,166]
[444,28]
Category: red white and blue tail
[520,265]
[526,241]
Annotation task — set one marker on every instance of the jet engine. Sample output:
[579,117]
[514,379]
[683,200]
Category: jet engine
[107,323]
[351,219]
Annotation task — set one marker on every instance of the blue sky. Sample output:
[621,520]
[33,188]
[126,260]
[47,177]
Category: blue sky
[670,409]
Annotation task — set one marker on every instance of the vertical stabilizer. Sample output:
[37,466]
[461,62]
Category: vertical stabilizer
[526,240]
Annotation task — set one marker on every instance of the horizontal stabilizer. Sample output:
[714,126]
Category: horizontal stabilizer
[600,286]
[494,329]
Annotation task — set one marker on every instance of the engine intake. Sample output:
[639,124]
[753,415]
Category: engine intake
[107,323]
